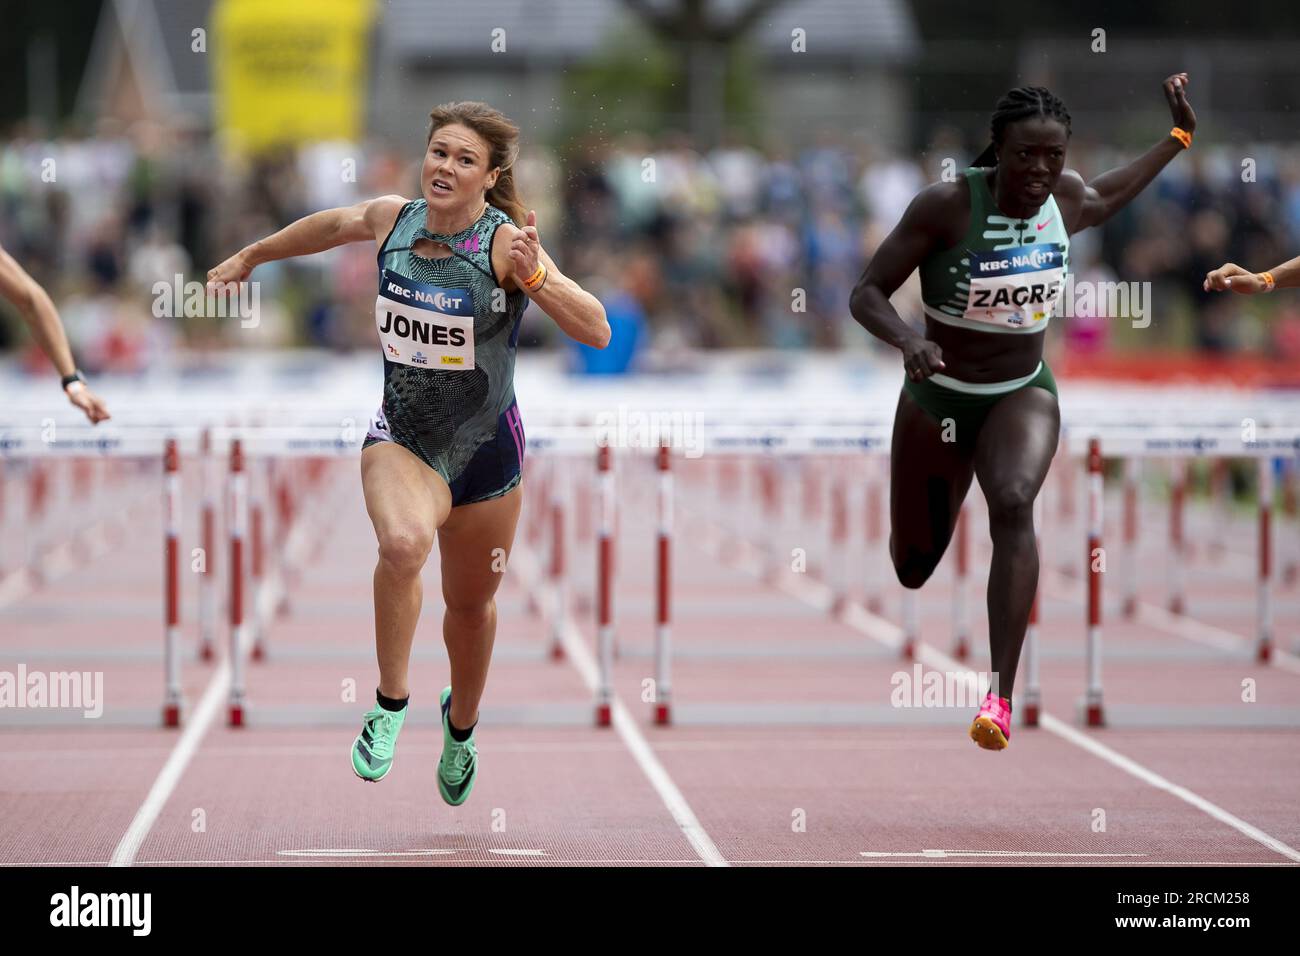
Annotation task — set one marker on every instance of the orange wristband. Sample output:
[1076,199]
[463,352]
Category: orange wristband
[1269,281]
[1182,136]
[537,279]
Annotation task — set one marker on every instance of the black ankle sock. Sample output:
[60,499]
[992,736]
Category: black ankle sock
[458,735]
[389,704]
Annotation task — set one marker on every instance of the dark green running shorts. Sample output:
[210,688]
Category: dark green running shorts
[967,410]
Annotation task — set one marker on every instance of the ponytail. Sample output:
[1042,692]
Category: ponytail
[987,158]
[504,194]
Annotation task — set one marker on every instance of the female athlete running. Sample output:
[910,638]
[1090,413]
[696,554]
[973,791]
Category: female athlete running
[978,400]
[38,311]
[456,270]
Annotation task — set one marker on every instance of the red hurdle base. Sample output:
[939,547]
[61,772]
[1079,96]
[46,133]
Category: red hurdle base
[1265,653]
[603,717]
[1030,713]
[235,718]
[662,716]
[171,715]
[1094,716]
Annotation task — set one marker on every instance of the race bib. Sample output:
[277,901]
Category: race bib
[1016,287]
[423,325]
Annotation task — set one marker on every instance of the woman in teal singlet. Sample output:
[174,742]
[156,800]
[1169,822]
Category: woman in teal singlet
[977,398]
[457,267]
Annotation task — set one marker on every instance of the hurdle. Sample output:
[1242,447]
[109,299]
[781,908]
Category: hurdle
[1178,446]
[663,588]
[727,488]
[84,464]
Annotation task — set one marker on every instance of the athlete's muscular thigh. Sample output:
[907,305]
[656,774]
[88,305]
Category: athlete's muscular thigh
[929,478]
[406,501]
[1015,449]
[475,543]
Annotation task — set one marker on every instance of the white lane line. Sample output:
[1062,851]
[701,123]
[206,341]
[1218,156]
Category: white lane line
[631,735]
[940,661]
[216,692]
[1130,766]
[859,618]
[577,652]
[1062,587]
[944,854]
[344,854]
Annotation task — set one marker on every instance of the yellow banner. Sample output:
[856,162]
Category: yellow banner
[290,71]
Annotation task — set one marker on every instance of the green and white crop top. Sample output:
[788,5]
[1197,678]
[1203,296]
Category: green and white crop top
[1006,275]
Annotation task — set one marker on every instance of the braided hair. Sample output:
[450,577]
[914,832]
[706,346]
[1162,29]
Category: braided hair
[1022,103]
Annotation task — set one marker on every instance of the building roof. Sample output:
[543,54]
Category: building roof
[573,29]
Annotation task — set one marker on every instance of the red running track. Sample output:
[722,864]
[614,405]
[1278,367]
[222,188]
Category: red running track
[785,748]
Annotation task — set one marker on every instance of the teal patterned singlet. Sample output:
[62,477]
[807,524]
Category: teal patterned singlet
[448,332]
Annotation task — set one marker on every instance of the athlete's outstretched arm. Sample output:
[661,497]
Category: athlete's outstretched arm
[314,233]
[37,309]
[576,311]
[1233,277]
[917,234]
[1090,204]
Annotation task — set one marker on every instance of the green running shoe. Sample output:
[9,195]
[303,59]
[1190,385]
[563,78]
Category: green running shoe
[458,765]
[372,751]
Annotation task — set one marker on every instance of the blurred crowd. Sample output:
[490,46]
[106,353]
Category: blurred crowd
[744,245]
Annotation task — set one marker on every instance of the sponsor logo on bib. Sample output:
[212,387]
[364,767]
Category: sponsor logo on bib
[1015,287]
[410,314]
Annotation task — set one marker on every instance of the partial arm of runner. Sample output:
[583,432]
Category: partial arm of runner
[38,311]
[315,233]
[915,236]
[1089,204]
[576,311]
[1233,277]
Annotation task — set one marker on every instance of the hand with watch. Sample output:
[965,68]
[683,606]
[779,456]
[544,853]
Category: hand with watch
[74,386]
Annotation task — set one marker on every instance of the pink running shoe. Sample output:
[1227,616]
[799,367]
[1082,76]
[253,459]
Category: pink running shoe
[992,726]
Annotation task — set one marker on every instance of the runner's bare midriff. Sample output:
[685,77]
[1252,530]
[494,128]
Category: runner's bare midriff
[977,357]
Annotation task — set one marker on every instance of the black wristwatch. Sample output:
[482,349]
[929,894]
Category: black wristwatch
[76,376]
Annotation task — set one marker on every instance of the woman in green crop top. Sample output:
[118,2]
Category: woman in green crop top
[977,399]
